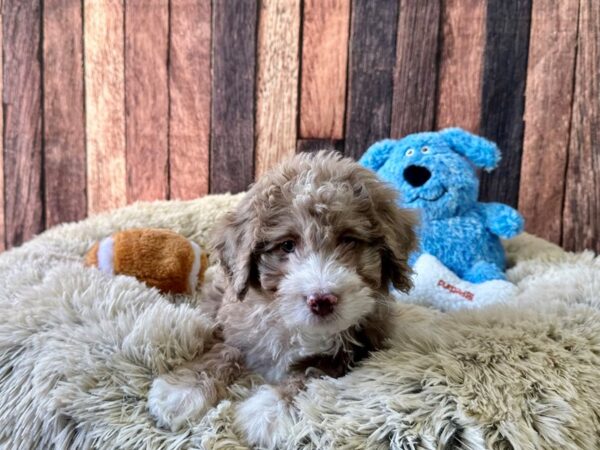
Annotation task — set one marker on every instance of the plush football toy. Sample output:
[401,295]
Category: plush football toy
[162,259]
[435,173]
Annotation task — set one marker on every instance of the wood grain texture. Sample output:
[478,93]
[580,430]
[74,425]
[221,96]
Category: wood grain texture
[581,220]
[276,82]
[64,118]
[371,66]
[325,27]
[548,98]
[461,64]
[315,145]
[22,98]
[502,105]
[232,111]
[104,68]
[524,73]
[147,99]
[189,97]
[415,72]
[2,221]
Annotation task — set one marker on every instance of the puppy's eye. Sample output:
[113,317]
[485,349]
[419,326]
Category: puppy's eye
[288,246]
[410,152]
[425,150]
[348,240]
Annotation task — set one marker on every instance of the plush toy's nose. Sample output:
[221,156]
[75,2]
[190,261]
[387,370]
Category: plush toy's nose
[417,175]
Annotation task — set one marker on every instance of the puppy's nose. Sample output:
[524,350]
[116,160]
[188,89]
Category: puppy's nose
[416,175]
[321,304]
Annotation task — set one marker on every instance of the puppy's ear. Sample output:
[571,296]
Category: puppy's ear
[479,151]
[398,240]
[234,244]
[377,154]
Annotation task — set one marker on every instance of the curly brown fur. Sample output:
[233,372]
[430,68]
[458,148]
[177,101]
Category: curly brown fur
[308,258]
[347,228]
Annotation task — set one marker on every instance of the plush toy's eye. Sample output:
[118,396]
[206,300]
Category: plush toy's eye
[425,150]
[410,152]
[288,246]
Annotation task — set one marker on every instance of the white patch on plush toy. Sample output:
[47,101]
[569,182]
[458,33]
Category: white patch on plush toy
[193,276]
[436,285]
[105,255]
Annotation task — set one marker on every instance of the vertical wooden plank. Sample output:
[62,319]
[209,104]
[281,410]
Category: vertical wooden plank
[232,111]
[276,82]
[104,104]
[64,127]
[371,65]
[147,99]
[2,222]
[461,64]
[581,219]
[189,97]
[415,73]
[504,74]
[548,96]
[325,27]
[315,145]
[24,208]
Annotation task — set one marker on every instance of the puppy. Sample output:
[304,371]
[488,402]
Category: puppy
[308,259]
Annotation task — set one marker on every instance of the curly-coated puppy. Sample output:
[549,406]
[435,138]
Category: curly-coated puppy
[308,260]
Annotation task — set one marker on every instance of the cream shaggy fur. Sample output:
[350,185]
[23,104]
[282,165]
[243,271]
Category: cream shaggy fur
[79,350]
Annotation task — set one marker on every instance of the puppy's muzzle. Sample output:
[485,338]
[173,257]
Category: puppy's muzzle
[322,304]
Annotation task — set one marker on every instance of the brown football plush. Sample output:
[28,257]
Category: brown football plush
[161,258]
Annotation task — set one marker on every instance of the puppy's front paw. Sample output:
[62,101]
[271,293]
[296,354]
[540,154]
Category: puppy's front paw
[174,405]
[265,418]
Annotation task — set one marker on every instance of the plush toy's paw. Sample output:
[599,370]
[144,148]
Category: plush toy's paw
[436,285]
[174,405]
[265,418]
[502,220]
[484,271]
[509,225]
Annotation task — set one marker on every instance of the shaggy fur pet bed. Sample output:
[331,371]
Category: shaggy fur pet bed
[79,350]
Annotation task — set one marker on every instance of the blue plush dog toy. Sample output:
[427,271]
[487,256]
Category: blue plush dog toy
[434,173]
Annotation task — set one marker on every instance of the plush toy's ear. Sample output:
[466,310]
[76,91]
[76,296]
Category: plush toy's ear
[377,154]
[479,151]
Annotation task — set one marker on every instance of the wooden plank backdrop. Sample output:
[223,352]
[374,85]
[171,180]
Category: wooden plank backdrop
[415,72]
[276,82]
[324,59]
[503,93]
[106,102]
[189,97]
[64,117]
[232,117]
[104,67]
[22,134]
[2,219]
[146,98]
